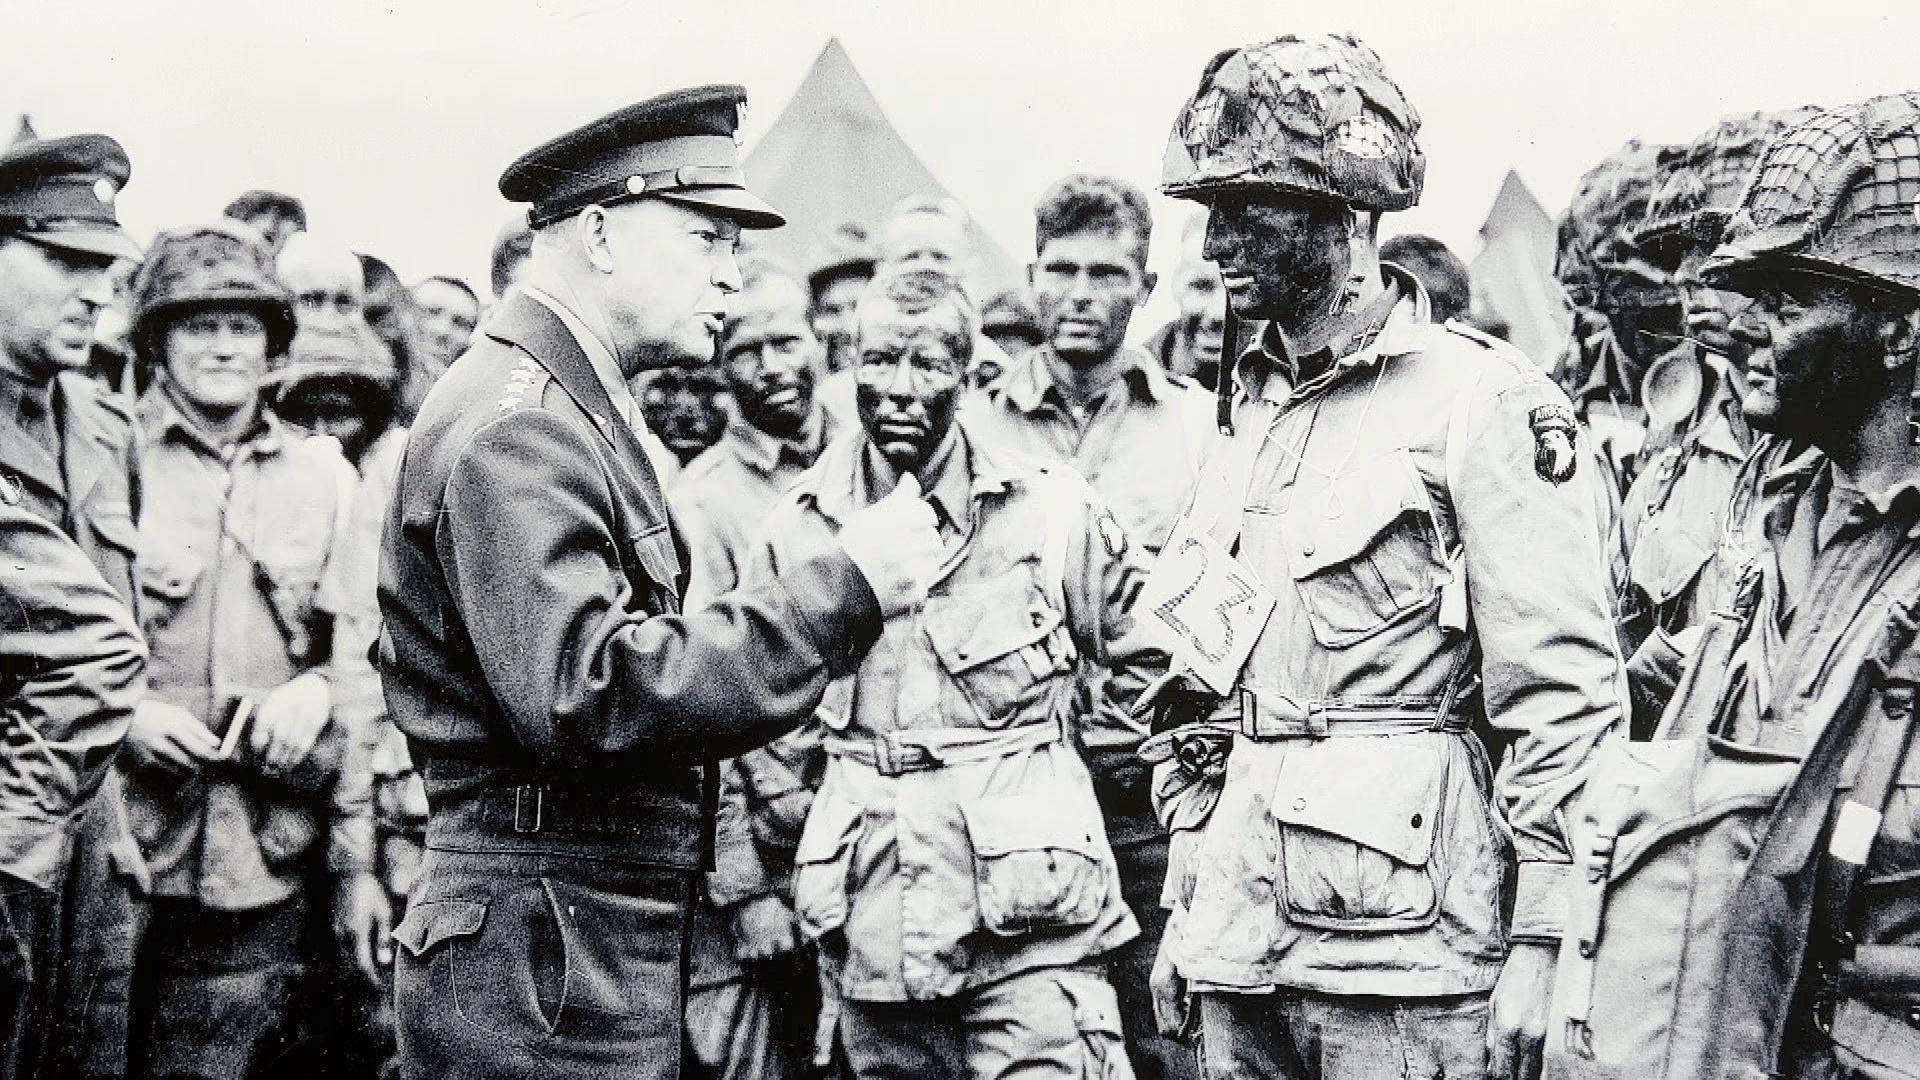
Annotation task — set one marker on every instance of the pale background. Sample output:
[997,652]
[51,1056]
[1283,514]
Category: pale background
[392,120]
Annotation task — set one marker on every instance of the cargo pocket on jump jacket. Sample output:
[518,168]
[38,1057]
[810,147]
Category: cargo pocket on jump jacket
[822,862]
[1037,864]
[1363,554]
[1002,641]
[1358,821]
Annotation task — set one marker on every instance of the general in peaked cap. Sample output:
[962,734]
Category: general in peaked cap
[61,193]
[679,146]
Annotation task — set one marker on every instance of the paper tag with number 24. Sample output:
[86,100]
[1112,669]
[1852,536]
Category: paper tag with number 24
[1213,607]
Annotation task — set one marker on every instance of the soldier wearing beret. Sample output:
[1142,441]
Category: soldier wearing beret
[564,713]
[67,457]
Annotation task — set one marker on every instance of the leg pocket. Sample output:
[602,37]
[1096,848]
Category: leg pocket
[1096,1013]
[497,957]
[1359,817]
[620,958]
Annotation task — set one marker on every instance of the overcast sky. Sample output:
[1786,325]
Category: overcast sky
[393,120]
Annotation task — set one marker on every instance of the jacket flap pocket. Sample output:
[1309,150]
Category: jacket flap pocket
[1666,558]
[1329,522]
[1383,793]
[831,824]
[988,622]
[433,921]
[1004,824]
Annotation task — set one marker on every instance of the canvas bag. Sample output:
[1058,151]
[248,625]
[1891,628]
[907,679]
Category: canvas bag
[1660,838]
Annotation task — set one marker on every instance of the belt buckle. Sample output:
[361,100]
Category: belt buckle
[895,758]
[520,803]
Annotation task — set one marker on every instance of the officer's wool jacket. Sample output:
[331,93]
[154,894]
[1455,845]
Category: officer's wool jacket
[1423,515]
[71,661]
[531,584]
[946,877]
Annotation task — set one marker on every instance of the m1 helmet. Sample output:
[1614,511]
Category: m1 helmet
[1316,116]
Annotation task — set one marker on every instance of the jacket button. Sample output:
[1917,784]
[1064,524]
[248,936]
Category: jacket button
[1299,805]
[1306,550]
[1417,819]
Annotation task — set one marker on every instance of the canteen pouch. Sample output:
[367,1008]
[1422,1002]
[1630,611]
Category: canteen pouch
[1037,863]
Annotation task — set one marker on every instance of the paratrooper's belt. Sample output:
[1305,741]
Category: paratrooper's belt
[899,752]
[1276,716]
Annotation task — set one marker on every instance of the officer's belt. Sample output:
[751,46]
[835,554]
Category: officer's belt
[899,752]
[533,809]
[1277,716]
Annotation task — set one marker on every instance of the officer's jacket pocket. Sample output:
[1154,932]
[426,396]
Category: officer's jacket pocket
[1037,863]
[1358,820]
[1364,550]
[432,922]
[999,639]
[823,861]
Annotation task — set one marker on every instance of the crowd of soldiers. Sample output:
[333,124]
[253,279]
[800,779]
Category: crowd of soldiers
[678,661]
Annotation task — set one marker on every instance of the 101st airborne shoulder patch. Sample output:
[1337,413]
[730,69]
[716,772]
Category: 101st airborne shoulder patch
[1554,431]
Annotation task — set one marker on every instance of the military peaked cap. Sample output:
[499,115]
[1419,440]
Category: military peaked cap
[679,146]
[61,192]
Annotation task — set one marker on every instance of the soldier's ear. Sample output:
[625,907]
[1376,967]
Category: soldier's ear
[1149,281]
[1900,336]
[590,229]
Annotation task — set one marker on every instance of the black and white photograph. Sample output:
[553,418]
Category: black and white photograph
[860,540]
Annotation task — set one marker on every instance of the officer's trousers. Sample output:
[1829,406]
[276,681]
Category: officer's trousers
[99,917]
[542,966]
[29,919]
[1060,1022]
[1298,1035]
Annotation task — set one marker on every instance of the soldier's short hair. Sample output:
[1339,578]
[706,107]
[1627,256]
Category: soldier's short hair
[1437,268]
[757,272]
[916,292]
[252,204]
[1084,202]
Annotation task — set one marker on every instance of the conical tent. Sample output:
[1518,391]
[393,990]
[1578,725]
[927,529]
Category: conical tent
[1513,274]
[832,158]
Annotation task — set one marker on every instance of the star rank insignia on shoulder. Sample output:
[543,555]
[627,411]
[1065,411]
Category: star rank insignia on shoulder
[521,379]
[1554,432]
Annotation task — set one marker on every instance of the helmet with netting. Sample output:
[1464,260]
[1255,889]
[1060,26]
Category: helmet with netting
[1315,116]
[1593,260]
[1691,207]
[222,265]
[1838,195]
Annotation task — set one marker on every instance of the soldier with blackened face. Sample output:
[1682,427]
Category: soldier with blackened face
[1411,497]
[954,869]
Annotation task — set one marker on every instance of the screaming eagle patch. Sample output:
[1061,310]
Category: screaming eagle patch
[1553,438]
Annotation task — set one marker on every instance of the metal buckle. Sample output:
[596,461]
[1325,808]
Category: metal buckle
[893,758]
[520,808]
